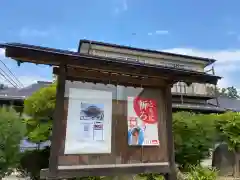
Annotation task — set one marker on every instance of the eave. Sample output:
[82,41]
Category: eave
[207,61]
[55,57]
[194,96]
[198,107]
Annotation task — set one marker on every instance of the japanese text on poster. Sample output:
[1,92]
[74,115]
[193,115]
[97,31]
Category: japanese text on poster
[142,122]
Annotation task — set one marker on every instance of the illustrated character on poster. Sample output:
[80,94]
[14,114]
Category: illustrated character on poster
[136,136]
[140,119]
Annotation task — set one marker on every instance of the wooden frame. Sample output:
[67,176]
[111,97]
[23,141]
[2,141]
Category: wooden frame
[107,169]
[75,66]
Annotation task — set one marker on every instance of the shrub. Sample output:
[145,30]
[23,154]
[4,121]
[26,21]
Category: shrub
[150,176]
[12,131]
[228,128]
[193,137]
[200,173]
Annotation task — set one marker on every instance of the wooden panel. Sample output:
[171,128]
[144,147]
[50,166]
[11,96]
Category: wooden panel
[170,141]
[122,153]
[106,170]
[126,79]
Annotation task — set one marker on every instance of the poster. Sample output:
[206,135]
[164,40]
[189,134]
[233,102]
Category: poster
[142,122]
[92,121]
[89,122]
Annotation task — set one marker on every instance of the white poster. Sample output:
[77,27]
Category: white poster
[89,122]
[142,122]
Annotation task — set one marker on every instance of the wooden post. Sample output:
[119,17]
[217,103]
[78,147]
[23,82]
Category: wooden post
[170,141]
[57,122]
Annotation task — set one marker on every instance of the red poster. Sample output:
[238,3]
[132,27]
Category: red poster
[142,121]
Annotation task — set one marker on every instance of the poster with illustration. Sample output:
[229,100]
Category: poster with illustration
[142,122]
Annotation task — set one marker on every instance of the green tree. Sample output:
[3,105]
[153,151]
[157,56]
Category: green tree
[228,128]
[193,137]
[230,92]
[12,131]
[40,108]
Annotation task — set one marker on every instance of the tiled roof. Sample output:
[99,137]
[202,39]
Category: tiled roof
[21,94]
[203,107]
[227,103]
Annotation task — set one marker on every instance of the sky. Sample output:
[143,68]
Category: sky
[200,28]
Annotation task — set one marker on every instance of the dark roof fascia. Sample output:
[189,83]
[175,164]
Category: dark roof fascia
[159,68]
[198,107]
[208,60]
[21,98]
[193,96]
[226,108]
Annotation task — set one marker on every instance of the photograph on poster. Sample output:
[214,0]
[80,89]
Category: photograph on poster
[89,122]
[92,111]
[92,117]
[142,122]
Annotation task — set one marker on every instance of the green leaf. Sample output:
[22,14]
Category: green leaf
[11,133]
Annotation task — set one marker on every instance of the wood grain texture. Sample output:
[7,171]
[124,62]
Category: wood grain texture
[122,153]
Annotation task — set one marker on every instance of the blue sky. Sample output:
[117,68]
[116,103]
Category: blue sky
[202,28]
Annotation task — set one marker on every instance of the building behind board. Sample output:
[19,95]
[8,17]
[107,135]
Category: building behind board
[185,97]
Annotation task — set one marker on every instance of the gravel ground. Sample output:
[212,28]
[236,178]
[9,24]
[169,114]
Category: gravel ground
[13,177]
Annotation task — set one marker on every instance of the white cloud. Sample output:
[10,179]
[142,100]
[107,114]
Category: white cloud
[158,32]
[125,5]
[161,32]
[73,49]
[222,56]
[25,80]
[28,32]
[122,5]
[231,33]
[227,62]
[28,80]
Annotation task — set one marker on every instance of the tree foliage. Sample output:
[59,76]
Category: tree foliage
[228,128]
[193,135]
[230,92]
[40,108]
[12,131]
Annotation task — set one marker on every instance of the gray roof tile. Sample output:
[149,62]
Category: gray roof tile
[227,103]
[16,93]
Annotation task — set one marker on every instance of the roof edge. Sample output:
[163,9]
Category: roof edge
[209,60]
[28,47]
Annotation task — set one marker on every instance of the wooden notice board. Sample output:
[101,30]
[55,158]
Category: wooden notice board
[122,156]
